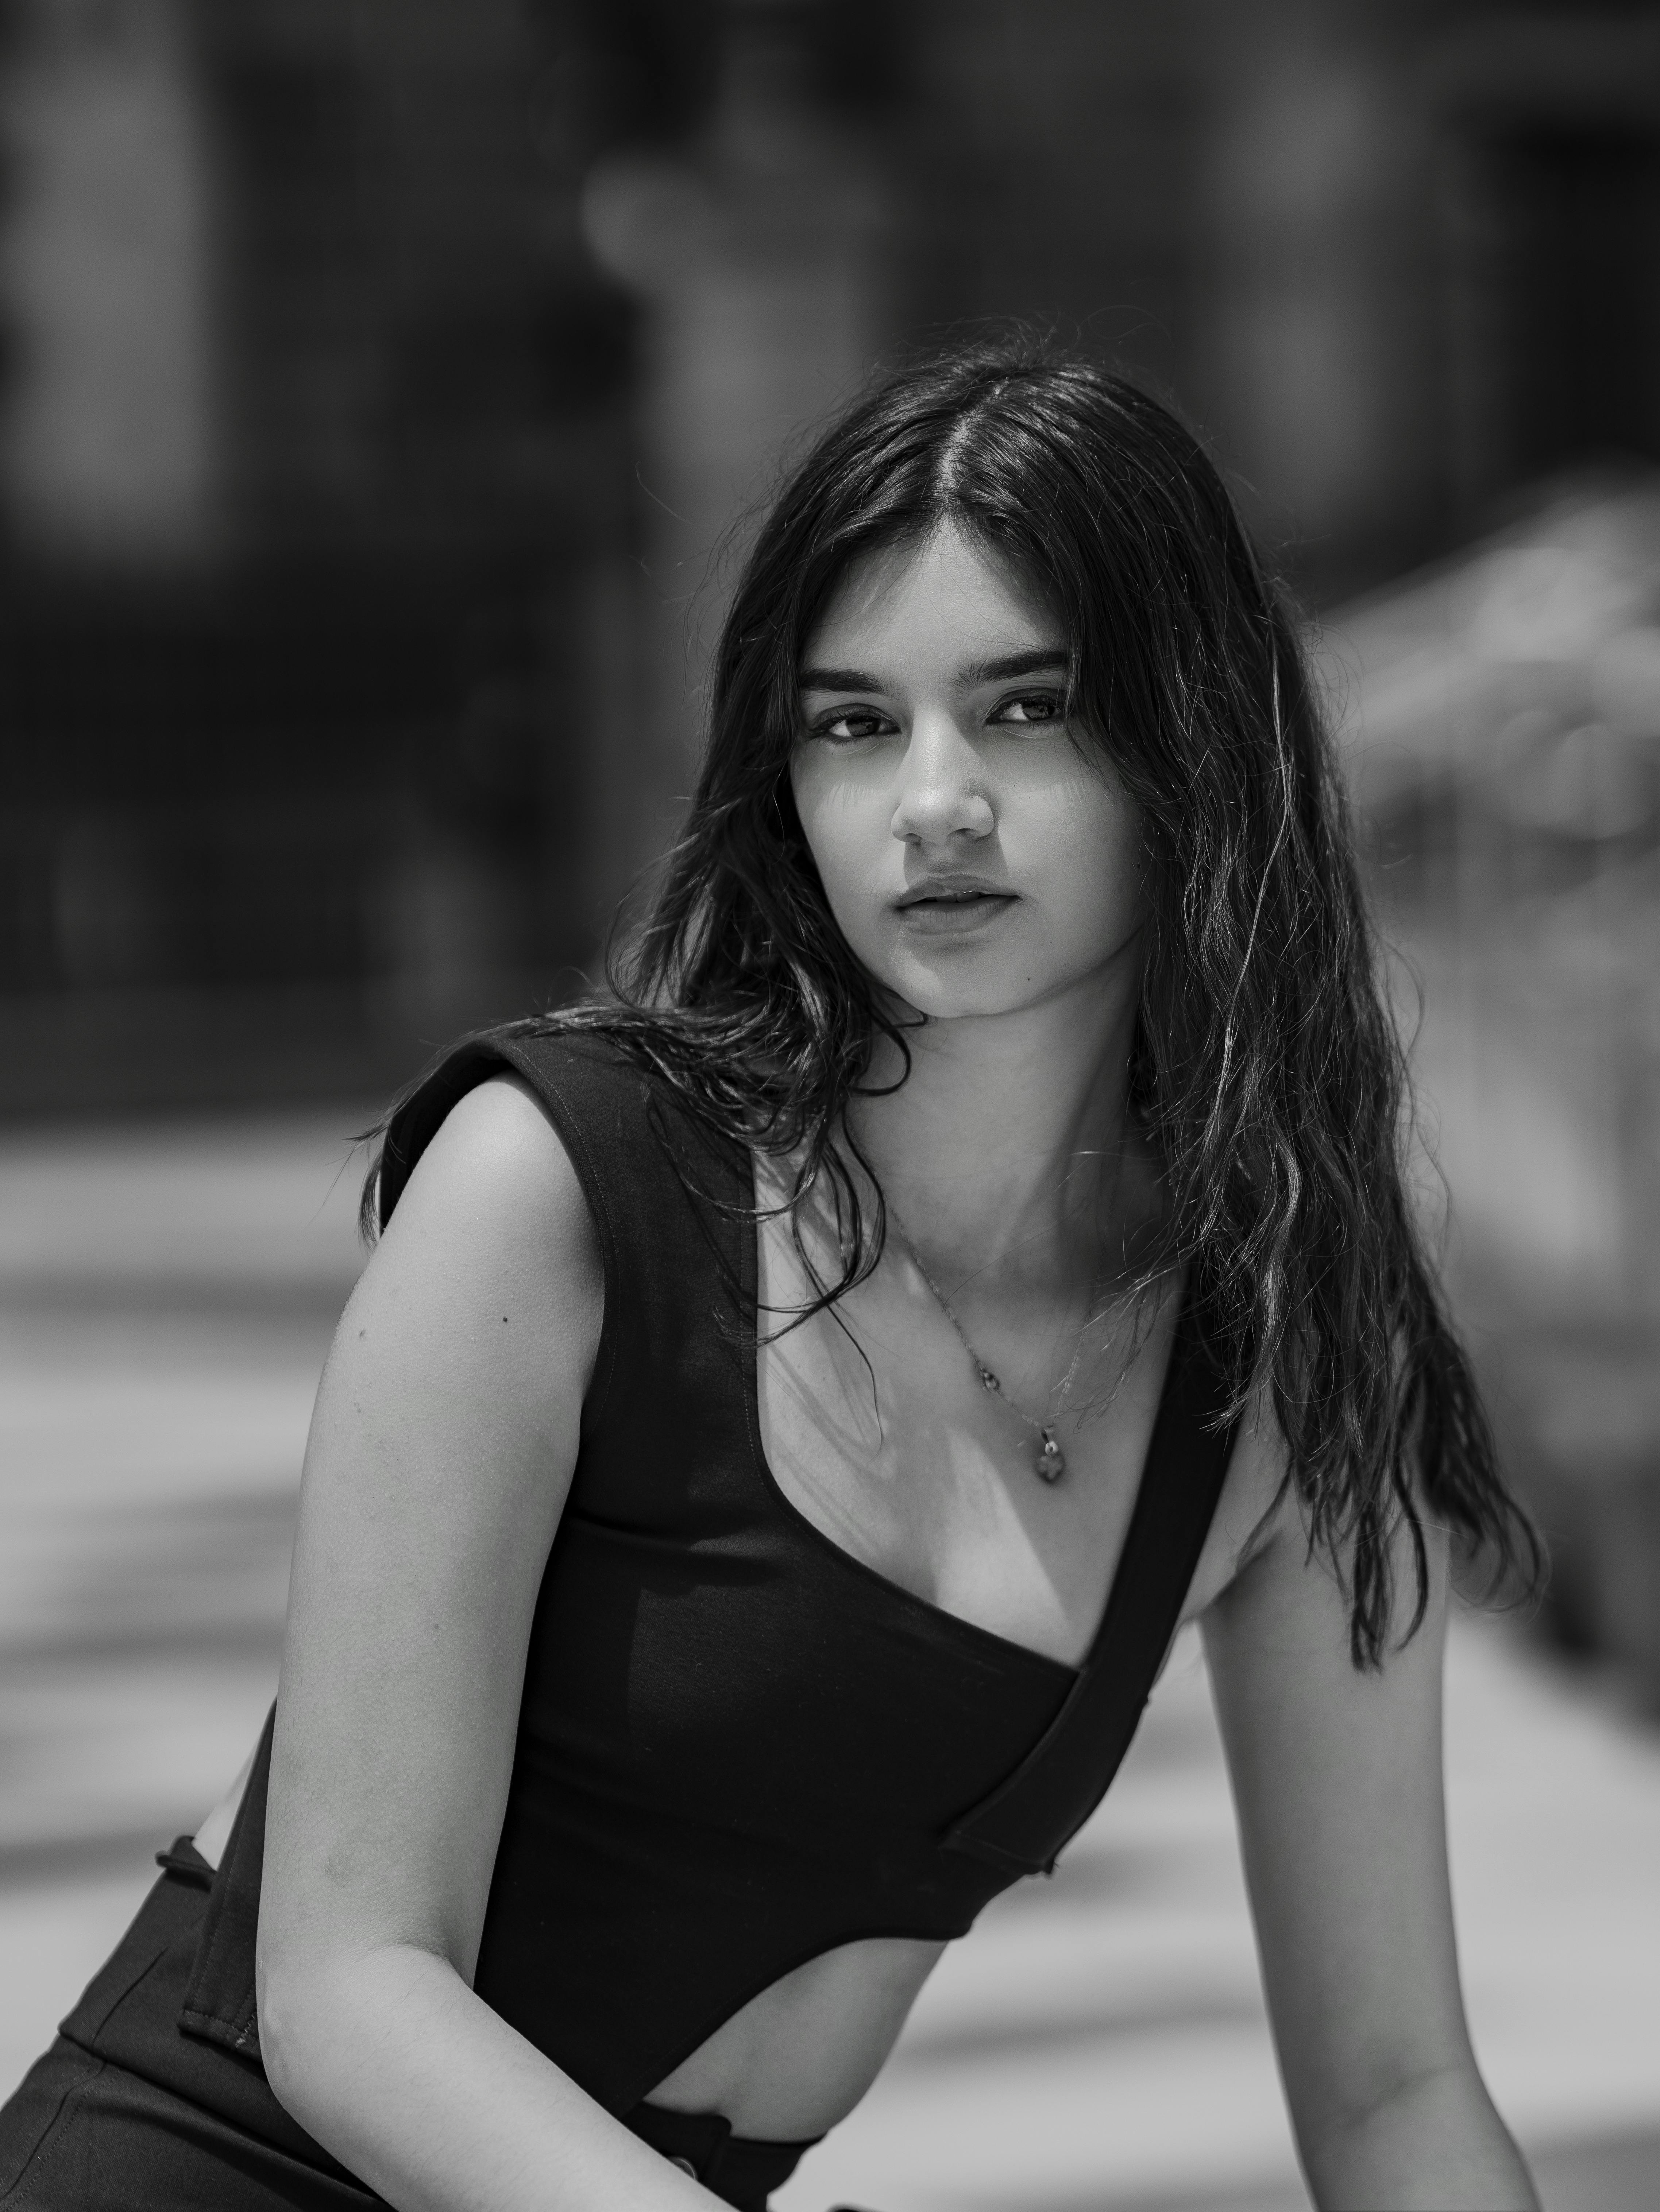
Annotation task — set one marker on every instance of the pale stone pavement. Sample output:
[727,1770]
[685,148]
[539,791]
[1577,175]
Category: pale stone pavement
[1098,2044]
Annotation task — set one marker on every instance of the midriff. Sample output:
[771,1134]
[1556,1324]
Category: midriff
[799,2056]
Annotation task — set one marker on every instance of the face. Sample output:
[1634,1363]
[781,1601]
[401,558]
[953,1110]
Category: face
[977,859]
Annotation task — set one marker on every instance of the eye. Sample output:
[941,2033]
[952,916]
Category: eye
[1030,707]
[845,725]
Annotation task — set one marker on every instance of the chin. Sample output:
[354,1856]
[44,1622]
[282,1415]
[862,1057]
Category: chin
[962,996]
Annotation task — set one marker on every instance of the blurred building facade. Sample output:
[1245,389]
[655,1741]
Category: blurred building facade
[380,375]
[315,461]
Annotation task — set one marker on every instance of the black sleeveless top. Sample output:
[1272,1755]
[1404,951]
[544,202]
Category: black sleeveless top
[739,1747]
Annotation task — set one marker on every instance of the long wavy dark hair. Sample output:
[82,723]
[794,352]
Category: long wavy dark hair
[1265,1069]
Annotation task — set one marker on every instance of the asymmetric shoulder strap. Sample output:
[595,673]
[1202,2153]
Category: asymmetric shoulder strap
[1032,1815]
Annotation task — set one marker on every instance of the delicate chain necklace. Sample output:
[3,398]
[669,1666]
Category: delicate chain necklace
[1051,1463]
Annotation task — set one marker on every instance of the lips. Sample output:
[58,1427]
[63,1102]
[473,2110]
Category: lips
[958,907]
[952,890]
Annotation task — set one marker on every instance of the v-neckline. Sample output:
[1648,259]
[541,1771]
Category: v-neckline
[1072,1672]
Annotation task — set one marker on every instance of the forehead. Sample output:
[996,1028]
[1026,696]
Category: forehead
[945,592]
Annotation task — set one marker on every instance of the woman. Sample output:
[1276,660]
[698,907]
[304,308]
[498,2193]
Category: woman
[791,1406]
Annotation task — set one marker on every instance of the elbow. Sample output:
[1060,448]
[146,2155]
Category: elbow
[1342,2113]
[326,2018]
[310,2007]
[1428,2135]
[289,2031]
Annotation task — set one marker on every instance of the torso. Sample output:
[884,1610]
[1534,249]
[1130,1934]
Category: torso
[935,1493]
[931,1487]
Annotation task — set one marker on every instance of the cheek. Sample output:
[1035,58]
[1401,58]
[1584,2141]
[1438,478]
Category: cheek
[838,822]
[1120,862]
[1083,841]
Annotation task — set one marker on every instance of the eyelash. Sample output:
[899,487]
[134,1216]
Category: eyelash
[825,726]
[1054,701]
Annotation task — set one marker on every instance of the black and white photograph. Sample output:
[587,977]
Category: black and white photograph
[829,1105]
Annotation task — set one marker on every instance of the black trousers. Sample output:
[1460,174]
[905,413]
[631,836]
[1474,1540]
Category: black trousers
[126,2113]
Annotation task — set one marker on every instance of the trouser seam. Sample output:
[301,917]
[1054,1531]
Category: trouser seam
[21,2193]
[95,2029]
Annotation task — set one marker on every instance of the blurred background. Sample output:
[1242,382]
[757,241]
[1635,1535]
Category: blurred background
[385,387]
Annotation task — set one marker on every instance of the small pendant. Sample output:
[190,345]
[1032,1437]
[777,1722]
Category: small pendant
[1051,1460]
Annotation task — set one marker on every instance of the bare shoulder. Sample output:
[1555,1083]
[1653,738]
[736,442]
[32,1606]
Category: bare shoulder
[1254,1512]
[1274,1581]
[486,1288]
[496,1170]
[470,1338]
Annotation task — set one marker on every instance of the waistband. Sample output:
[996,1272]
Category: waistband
[739,2169]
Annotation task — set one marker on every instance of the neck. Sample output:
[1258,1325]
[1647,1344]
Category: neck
[1007,1152]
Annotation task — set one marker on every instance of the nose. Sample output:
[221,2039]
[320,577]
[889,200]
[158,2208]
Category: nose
[943,788]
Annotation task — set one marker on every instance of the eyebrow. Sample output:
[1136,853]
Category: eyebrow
[1022,663]
[983,671]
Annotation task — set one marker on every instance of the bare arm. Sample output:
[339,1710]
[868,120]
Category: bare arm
[1337,1779]
[440,1453]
